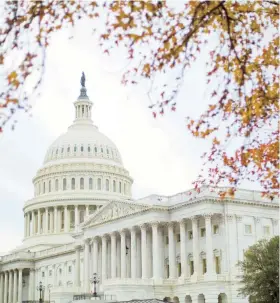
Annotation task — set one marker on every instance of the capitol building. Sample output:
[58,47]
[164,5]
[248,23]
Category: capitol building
[83,221]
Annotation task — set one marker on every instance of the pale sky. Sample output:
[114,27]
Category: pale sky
[159,153]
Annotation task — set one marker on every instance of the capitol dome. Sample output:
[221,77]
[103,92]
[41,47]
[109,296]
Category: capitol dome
[82,171]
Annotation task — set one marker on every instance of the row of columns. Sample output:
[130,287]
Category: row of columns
[48,220]
[108,249]
[11,286]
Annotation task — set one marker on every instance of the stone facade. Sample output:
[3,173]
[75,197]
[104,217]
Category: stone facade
[83,220]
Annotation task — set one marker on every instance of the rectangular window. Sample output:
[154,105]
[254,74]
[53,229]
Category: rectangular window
[266,230]
[167,271]
[178,238]
[191,267]
[69,269]
[217,263]
[204,266]
[50,273]
[166,240]
[216,229]
[43,274]
[248,229]
[179,270]
[202,232]
[190,234]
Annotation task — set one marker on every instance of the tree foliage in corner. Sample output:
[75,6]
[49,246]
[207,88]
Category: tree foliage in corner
[261,272]
[160,40]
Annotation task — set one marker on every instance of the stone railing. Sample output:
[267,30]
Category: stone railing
[54,250]
[17,256]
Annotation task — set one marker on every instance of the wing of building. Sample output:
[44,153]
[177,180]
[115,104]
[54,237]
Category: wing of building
[83,220]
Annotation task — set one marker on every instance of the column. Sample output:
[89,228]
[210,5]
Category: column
[20,285]
[104,254]
[10,294]
[31,284]
[209,247]
[51,228]
[258,230]
[15,287]
[27,224]
[33,223]
[77,266]
[195,246]
[133,253]
[39,221]
[1,287]
[275,227]
[95,256]
[171,251]
[55,225]
[6,287]
[156,260]
[183,254]
[123,254]
[113,255]
[66,223]
[86,266]
[144,250]
[76,217]
[87,210]
[232,243]
[46,220]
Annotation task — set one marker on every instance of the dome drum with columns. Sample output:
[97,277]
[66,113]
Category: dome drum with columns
[83,221]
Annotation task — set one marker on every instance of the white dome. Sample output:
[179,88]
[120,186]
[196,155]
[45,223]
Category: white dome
[83,142]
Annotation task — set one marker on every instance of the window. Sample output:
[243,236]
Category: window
[204,266]
[202,232]
[60,271]
[69,269]
[101,149]
[64,184]
[44,187]
[73,183]
[43,274]
[107,151]
[68,149]
[95,149]
[82,216]
[62,219]
[75,148]
[216,229]
[62,150]
[107,185]
[90,183]
[120,187]
[167,270]
[99,184]
[248,229]
[50,186]
[266,230]
[179,269]
[217,265]
[191,267]
[82,148]
[82,183]
[50,273]
[178,238]
[124,188]
[56,184]
[114,186]
[57,151]
[190,234]
[39,188]
[88,149]
[72,219]
[166,240]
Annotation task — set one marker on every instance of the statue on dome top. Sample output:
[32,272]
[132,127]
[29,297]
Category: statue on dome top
[83,79]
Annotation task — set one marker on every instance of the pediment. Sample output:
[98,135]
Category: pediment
[115,210]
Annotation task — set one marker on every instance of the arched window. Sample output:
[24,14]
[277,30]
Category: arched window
[73,183]
[82,183]
[75,148]
[64,184]
[82,216]
[44,187]
[50,185]
[120,187]
[114,186]
[82,148]
[90,183]
[56,184]
[107,185]
[88,149]
[68,149]
[99,184]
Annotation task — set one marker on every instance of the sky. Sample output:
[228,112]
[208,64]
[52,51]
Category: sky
[161,156]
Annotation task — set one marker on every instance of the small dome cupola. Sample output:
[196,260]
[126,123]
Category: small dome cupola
[83,105]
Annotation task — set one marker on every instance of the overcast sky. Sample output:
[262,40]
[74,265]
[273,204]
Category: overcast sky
[159,153]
